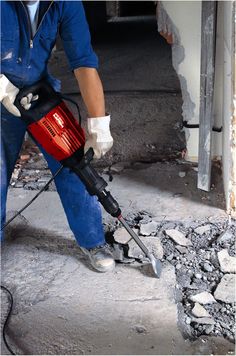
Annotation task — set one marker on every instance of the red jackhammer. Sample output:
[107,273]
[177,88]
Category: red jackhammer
[54,127]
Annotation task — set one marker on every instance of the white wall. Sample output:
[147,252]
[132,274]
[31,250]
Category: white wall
[185,24]
[228,87]
[183,20]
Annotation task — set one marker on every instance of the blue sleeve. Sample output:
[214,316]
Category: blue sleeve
[75,35]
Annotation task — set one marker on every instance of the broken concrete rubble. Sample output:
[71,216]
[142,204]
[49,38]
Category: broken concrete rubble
[148,229]
[118,253]
[199,311]
[208,321]
[209,329]
[182,174]
[227,262]
[153,244]
[178,237]
[225,291]
[121,236]
[181,249]
[198,272]
[225,237]
[203,298]
[202,229]
[208,267]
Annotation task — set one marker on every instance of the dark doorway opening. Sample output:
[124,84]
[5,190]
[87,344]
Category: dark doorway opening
[142,89]
[137,8]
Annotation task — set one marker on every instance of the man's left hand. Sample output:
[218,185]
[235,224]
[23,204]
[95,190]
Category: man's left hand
[99,138]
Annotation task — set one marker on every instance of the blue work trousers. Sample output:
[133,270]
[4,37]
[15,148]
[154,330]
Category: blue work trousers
[83,211]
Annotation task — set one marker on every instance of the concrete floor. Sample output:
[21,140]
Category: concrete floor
[63,307]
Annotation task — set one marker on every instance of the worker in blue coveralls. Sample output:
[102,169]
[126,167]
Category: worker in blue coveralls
[28,34]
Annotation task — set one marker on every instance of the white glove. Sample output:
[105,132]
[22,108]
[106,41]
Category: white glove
[99,138]
[27,100]
[8,93]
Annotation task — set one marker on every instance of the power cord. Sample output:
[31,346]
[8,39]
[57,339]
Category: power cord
[10,297]
[32,200]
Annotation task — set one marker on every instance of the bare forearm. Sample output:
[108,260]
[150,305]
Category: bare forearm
[91,90]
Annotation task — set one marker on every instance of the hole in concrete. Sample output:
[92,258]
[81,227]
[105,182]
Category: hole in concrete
[197,270]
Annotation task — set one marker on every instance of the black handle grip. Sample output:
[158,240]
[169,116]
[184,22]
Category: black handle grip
[89,176]
[48,99]
[93,182]
[109,204]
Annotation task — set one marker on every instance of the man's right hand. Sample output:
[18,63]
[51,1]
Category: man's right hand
[8,93]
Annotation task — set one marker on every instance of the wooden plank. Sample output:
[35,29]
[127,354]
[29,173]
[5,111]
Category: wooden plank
[206,92]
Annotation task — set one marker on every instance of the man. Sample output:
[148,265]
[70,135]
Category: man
[28,35]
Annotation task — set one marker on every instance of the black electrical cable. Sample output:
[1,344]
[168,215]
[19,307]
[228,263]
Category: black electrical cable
[10,298]
[33,199]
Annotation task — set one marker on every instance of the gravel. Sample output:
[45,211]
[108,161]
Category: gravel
[201,277]
[204,291]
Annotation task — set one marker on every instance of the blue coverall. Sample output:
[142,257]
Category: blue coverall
[24,61]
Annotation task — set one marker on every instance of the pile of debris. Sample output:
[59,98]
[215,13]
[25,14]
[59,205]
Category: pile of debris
[31,170]
[203,254]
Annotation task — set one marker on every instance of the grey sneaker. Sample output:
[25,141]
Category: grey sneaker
[100,257]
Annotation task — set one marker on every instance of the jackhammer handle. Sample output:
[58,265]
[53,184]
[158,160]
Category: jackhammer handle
[95,184]
[88,175]
[47,100]
[109,203]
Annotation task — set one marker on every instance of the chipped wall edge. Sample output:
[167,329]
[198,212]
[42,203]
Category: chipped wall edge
[232,186]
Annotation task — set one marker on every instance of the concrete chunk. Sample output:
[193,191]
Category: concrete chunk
[208,267]
[209,329]
[227,262]
[121,236]
[203,298]
[178,237]
[208,321]
[202,229]
[118,253]
[181,249]
[225,290]
[226,236]
[148,229]
[153,244]
[199,311]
